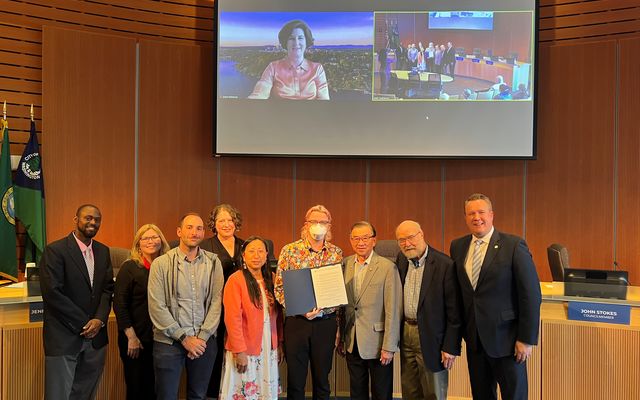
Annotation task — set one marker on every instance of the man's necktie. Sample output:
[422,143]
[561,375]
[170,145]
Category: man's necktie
[476,263]
[88,259]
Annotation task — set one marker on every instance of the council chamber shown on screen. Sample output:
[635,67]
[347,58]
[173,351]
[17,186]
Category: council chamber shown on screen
[388,78]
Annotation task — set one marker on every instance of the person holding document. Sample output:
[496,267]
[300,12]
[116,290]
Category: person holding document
[370,329]
[310,337]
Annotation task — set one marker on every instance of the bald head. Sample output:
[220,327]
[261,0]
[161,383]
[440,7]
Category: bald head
[411,239]
[407,224]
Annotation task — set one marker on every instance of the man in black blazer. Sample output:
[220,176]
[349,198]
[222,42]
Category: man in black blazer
[77,285]
[431,329]
[501,297]
[449,60]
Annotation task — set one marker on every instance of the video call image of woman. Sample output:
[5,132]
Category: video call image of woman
[293,77]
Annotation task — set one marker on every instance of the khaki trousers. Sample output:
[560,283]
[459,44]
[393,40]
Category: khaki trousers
[418,382]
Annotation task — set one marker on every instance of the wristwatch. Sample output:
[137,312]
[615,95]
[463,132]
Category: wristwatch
[182,337]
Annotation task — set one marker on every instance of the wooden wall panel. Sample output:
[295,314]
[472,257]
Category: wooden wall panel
[177,173]
[562,20]
[21,37]
[502,181]
[570,185]
[88,149]
[406,189]
[25,378]
[628,232]
[340,186]
[586,360]
[139,19]
[20,80]
[262,190]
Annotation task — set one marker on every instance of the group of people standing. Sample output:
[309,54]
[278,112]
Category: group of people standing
[169,304]
[440,59]
[487,292]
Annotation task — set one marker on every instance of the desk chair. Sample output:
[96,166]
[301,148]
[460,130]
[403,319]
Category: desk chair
[414,86]
[434,86]
[388,249]
[558,257]
[118,256]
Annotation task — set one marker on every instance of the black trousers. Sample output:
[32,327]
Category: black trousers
[216,375]
[138,373]
[309,343]
[359,372]
[485,372]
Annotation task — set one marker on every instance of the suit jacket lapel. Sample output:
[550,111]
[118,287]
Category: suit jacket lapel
[349,277]
[427,277]
[460,260]
[78,259]
[98,265]
[492,251]
[369,272]
[403,265]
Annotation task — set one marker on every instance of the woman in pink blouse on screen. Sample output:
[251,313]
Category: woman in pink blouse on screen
[293,77]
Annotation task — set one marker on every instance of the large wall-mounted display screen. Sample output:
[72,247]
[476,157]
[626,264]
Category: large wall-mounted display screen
[394,78]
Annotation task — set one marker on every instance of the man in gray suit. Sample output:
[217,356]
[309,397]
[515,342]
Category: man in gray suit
[370,329]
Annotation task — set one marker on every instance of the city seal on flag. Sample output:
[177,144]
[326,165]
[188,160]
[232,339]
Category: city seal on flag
[31,166]
[8,208]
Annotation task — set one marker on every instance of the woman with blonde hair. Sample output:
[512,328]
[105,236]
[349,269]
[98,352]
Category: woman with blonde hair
[135,330]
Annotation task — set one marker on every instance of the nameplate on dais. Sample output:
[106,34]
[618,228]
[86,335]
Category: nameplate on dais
[598,312]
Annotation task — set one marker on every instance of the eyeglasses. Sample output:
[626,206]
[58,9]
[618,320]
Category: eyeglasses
[315,221]
[358,239]
[150,239]
[409,238]
[259,252]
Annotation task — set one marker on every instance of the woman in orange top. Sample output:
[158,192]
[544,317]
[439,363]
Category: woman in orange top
[254,328]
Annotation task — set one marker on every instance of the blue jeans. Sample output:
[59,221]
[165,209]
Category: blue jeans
[168,362]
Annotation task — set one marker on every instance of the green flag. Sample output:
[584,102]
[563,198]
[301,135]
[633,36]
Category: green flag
[28,193]
[8,258]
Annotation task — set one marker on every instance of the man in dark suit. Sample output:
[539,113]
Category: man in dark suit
[77,284]
[401,56]
[449,60]
[501,297]
[431,330]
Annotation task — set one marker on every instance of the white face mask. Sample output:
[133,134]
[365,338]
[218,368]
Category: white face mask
[318,231]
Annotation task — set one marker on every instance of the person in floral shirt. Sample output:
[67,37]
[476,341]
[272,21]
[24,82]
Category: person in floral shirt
[310,337]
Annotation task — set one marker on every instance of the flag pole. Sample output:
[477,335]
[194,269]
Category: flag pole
[4,111]
[32,113]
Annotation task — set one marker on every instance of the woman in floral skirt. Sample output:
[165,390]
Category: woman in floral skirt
[254,329]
